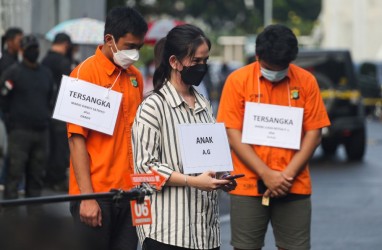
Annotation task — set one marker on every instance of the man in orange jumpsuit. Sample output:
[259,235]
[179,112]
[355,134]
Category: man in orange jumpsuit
[278,173]
[100,162]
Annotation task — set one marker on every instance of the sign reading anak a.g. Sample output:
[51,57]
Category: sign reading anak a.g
[87,105]
[272,125]
[203,147]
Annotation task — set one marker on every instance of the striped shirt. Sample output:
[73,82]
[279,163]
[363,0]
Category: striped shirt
[182,216]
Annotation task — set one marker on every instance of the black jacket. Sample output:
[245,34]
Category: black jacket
[59,65]
[28,103]
[6,61]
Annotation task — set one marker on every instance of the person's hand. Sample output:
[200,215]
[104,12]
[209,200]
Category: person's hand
[230,186]
[278,183]
[207,181]
[90,213]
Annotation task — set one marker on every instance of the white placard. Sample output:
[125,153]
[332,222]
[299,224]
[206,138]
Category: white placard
[203,147]
[272,125]
[87,104]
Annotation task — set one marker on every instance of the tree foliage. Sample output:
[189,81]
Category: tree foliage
[231,17]
[227,17]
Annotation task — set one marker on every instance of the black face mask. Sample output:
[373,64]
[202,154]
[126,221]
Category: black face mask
[31,54]
[193,75]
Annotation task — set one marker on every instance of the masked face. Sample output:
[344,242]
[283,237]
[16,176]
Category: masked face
[31,54]
[193,75]
[274,76]
[124,58]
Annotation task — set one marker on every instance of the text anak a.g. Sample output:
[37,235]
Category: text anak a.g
[90,99]
[201,140]
[261,118]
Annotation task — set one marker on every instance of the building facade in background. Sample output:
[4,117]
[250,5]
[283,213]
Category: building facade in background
[353,25]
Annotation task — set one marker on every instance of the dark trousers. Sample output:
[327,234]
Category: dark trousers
[28,151]
[150,244]
[58,155]
[116,232]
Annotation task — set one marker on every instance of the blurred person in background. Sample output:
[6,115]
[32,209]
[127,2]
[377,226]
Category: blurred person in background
[151,66]
[148,79]
[74,55]
[275,173]
[202,89]
[3,146]
[10,51]
[59,64]
[26,94]
[158,49]
[10,48]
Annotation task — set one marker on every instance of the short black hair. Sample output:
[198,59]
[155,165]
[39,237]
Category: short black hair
[11,33]
[29,41]
[277,45]
[60,38]
[123,20]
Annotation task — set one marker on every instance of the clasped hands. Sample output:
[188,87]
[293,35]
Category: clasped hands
[278,184]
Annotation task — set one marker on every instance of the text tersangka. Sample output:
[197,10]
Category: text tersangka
[273,120]
[90,99]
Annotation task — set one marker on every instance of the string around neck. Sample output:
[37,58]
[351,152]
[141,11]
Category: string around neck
[79,68]
[108,89]
[111,87]
[259,93]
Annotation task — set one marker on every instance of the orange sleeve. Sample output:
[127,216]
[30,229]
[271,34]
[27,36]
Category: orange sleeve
[315,115]
[73,128]
[232,102]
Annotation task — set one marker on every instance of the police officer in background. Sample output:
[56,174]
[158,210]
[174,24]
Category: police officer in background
[58,62]
[10,47]
[26,91]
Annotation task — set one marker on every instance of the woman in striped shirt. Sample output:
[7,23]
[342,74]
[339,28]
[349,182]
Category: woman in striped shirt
[185,211]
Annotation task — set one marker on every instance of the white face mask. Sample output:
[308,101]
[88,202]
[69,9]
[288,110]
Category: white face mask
[125,58]
[274,76]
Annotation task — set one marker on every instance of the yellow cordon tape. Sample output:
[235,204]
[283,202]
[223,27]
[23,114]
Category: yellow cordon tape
[350,94]
[372,101]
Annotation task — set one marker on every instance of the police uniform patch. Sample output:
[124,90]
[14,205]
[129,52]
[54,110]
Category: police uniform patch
[294,94]
[134,81]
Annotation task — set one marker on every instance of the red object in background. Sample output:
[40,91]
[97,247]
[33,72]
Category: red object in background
[160,28]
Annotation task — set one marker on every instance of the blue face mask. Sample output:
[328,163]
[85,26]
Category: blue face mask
[274,76]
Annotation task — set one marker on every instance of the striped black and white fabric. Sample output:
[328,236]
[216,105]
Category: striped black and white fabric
[182,216]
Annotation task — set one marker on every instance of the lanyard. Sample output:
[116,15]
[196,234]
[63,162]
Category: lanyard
[108,89]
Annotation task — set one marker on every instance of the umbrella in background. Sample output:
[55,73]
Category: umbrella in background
[81,30]
[160,28]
